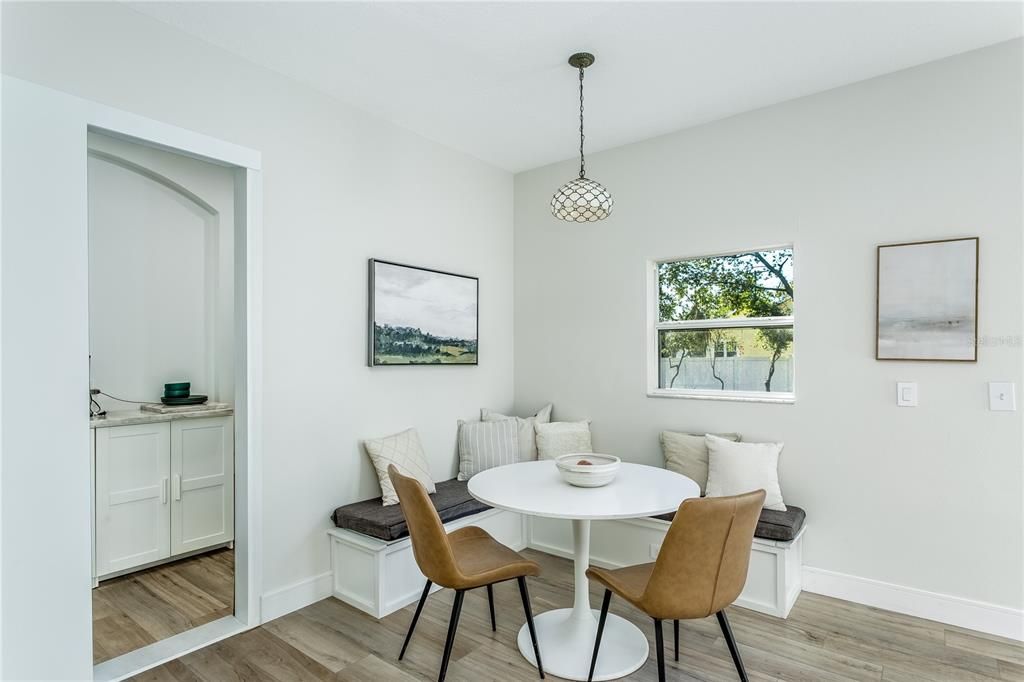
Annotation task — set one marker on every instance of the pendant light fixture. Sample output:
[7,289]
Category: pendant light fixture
[581,200]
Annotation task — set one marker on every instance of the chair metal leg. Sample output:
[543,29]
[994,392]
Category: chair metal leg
[415,619]
[453,624]
[600,631]
[490,601]
[675,627]
[525,594]
[723,622]
[659,640]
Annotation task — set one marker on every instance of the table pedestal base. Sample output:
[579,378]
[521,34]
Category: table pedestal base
[566,645]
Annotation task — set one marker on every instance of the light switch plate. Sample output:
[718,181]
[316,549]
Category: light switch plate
[1002,396]
[906,394]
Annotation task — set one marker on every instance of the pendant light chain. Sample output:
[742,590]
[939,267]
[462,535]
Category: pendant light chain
[581,200]
[583,167]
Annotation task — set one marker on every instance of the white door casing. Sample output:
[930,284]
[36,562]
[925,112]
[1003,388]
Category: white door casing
[202,485]
[46,210]
[132,496]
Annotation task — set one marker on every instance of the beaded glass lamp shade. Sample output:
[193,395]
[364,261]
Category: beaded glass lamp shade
[582,201]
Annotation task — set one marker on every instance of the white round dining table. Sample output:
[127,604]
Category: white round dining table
[566,636]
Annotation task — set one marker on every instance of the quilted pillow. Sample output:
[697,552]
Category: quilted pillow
[405,452]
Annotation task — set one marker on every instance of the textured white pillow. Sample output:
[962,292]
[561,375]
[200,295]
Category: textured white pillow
[405,452]
[687,454]
[735,468]
[563,438]
[527,432]
[485,445]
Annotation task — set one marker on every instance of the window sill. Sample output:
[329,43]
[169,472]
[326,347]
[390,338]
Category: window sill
[780,399]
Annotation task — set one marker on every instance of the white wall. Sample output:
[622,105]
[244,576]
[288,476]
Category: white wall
[930,497]
[46,550]
[338,187]
[161,272]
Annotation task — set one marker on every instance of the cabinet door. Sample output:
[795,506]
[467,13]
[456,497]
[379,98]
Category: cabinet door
[202,483]
[132,511]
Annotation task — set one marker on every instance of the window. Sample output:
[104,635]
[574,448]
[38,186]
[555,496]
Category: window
[724,326]
[726,348]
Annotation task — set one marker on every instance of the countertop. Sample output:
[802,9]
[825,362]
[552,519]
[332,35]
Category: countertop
[127,417]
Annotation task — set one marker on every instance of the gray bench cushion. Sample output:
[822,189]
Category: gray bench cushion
[452,501]
[773,525]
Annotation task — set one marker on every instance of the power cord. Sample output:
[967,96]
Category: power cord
[96,391]
[97,411]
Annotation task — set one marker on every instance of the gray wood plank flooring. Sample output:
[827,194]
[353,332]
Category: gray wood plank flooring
[823,640]
[140,608]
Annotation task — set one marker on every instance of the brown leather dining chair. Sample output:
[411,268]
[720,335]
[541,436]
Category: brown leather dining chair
[462,560]
[701,568]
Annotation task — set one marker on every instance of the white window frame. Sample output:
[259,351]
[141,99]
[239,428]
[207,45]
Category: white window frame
[654,326]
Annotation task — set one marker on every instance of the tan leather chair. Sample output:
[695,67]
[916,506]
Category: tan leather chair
[701,568]
[462,560]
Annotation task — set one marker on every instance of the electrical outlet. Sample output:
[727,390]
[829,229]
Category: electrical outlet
[655,548]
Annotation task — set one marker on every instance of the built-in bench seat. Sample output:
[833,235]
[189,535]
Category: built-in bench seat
[374,568]
[783,526]
[369,517]
[453,501]
[371,555]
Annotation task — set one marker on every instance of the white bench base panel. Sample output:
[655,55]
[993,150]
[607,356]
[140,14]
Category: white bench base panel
[773,580]
[380,577]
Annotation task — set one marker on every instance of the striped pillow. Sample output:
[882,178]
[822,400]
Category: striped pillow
[485,445]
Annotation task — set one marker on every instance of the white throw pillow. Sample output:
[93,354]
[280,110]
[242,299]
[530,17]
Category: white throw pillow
[527,430]
[563,438]
[735,468]
[405,452]
[485,445]
[687,454]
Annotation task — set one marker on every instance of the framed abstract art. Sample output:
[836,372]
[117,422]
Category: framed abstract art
[927,305]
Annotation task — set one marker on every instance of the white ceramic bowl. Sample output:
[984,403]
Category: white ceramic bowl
[600,471]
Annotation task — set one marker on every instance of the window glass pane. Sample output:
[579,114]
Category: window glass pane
[733,359]
[755,284]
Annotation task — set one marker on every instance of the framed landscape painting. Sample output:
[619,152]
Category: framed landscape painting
[420,316]
[928,301]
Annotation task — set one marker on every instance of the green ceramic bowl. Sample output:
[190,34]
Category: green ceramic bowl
[178,389]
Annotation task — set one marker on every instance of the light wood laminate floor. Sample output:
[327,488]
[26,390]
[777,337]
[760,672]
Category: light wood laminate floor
[824,640]
[144,607]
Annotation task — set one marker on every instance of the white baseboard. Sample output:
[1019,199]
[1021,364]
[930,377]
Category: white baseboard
[563,553]
[966,613]
[284,600]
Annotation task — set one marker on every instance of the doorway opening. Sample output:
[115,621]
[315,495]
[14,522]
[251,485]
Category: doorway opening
[171,310]
[161,277]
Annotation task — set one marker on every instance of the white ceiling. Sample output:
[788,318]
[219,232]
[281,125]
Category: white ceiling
[491,78]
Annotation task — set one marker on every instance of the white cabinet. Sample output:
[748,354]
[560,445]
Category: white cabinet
[133,520]
[161,490]
[202,468]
